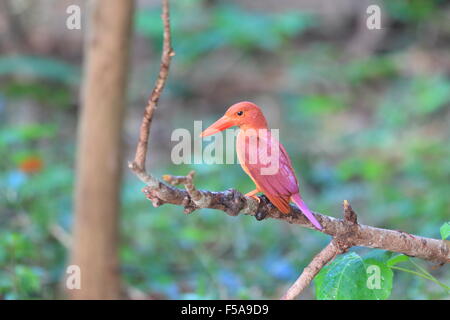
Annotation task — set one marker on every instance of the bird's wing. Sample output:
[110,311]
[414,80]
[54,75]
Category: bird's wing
[276,179]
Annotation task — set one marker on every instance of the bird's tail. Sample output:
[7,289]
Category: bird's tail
[304,208]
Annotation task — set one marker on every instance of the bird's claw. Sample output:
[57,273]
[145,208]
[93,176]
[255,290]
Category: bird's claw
[252,194]
[259,215]
[255,197]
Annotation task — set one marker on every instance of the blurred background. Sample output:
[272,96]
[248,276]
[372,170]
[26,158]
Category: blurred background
[363,113]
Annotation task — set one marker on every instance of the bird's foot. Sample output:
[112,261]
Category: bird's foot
[256,198]
[260,215]
[252,194]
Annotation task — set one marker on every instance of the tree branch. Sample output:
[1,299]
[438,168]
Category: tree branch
[337,246]
[138,165]
[233,202]
[320,260]
[345,232]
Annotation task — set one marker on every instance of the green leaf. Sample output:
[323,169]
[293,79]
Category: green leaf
[445,230]
[352,277]
[397,259]
[379,274]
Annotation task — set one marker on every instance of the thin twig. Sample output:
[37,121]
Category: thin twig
[318,262]
[61,235]
[138,165]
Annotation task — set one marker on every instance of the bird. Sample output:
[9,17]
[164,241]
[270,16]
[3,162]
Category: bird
[256,145]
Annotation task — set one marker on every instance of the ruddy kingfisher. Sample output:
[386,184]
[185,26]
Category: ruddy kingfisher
[257,151]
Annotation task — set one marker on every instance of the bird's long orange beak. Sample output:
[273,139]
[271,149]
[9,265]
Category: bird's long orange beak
[220,125]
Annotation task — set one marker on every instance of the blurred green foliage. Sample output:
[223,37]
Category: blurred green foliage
[38,67]
[357,128]
[197,29]
[32,204]
[413,10]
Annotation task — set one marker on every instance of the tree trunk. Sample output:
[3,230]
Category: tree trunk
[98,163]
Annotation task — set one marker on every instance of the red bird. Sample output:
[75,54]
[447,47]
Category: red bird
[258,152]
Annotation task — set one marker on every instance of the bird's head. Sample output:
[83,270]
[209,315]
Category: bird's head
[245,115]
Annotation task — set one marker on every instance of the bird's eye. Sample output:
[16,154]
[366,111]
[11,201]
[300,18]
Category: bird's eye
[240,113]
